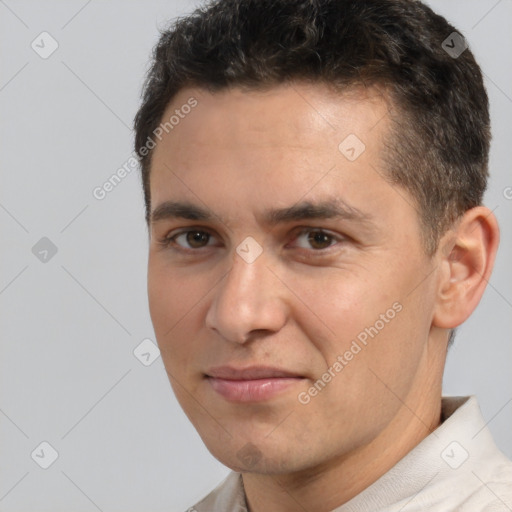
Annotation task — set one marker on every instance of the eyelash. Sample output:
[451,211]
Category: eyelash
[171,239]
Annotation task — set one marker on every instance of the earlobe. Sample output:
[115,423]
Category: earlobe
[468,254]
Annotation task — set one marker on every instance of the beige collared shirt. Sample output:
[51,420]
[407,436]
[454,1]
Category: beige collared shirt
[456,468]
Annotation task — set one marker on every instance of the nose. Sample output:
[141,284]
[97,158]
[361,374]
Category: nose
[248,300]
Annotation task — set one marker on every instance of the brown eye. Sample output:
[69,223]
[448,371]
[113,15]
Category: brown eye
[189,240]
[319,239]
[197,239]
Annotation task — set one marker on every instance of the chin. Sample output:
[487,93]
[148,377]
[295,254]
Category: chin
[245,456]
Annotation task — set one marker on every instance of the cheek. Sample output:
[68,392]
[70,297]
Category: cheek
[174,302]
[382,341]
[369,321]
[342,303]
[161,298]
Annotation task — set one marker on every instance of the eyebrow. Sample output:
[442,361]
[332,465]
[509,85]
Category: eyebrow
[332,208]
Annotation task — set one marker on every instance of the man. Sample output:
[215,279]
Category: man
[313,174]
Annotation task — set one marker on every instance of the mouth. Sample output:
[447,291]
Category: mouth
[253,384]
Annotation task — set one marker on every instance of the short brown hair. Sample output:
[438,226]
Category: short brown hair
[439,145]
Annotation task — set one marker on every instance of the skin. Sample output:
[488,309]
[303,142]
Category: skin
[301,303]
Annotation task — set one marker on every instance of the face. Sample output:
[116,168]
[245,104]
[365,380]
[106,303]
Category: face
[288,285]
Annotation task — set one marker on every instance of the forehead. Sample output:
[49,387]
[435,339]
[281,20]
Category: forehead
[270,146]
[295,112]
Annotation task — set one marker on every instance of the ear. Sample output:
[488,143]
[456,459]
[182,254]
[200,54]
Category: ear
[466,256]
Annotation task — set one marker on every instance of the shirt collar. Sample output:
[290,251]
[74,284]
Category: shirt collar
[446,457]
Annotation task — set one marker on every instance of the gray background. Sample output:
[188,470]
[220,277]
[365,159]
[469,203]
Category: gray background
[69,325]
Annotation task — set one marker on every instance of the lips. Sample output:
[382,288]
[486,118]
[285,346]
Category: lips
[252,384]
[250,373]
